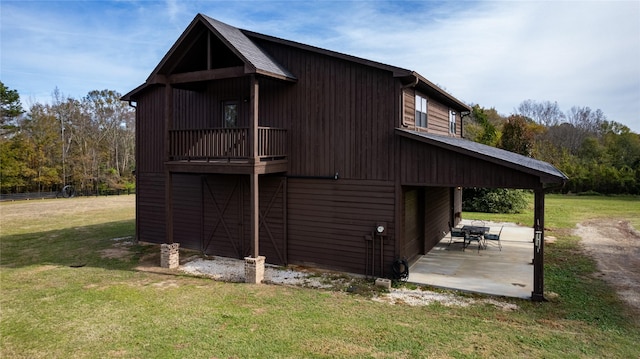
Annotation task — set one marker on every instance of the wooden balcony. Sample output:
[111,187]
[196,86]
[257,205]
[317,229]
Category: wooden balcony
[227,150]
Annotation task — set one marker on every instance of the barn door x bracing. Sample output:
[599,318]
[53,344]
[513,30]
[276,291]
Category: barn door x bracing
[225,217]
[222,214]
[273,219]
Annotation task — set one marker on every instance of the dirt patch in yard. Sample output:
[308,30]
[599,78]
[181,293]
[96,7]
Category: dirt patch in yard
[115,253]
[615,245]
[119,250]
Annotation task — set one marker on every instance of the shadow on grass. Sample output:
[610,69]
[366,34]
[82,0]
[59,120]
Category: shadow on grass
[107,245]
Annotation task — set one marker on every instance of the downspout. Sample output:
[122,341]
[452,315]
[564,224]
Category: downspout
[413,83]
[134,104]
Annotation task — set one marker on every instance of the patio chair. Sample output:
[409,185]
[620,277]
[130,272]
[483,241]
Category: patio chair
[457,233]
[474,238]
[491,238]
[477,223]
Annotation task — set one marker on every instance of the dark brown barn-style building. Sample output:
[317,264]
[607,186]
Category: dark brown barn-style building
[250,145]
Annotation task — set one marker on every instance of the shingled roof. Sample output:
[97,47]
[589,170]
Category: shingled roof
[243,43]
[547,172]
[246,49]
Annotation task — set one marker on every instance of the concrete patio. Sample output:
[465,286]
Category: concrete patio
[489,271]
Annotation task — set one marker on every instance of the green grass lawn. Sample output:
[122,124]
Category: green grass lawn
[563,212]
[50,308]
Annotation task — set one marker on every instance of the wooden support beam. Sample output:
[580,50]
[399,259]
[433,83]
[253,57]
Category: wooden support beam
[254,176]
[253,117]
[255,214]
[538,246]
[157,79]
[209,58]
[207,75]
[168,186]
[168,207]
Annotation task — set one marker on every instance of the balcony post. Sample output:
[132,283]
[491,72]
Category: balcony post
[253,118]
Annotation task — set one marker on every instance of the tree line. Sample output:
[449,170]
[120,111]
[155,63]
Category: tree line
[88,143]
[598,155]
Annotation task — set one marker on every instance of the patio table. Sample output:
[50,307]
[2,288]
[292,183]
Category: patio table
[475,233]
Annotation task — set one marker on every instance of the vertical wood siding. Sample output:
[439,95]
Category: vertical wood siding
[150,181]
[339,115]
[150,207]
[436,215]
[150,149]
[440,167]
[327,222]
[202,108]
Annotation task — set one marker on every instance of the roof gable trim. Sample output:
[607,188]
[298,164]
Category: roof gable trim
[254,58]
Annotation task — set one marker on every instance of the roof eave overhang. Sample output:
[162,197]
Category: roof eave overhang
[440,94]
[131,95]
[275,76]
[546,179]
[396,71]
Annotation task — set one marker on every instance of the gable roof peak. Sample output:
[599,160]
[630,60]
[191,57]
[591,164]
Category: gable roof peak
[256,60]
[246,49]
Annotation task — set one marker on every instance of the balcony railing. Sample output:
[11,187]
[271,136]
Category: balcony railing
[226,143]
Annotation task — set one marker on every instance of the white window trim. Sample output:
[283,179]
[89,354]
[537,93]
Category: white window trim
[452,122]
[422,105]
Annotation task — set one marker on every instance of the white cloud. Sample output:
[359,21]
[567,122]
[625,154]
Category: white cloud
[499,54]
[496,54]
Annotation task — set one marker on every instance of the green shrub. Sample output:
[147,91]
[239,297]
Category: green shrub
[494,200]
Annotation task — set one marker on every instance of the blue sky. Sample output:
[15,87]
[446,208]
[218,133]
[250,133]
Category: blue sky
[495,54]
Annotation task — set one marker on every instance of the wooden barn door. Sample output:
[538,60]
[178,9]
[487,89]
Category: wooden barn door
[222,216]
[273,219]
[226,217]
